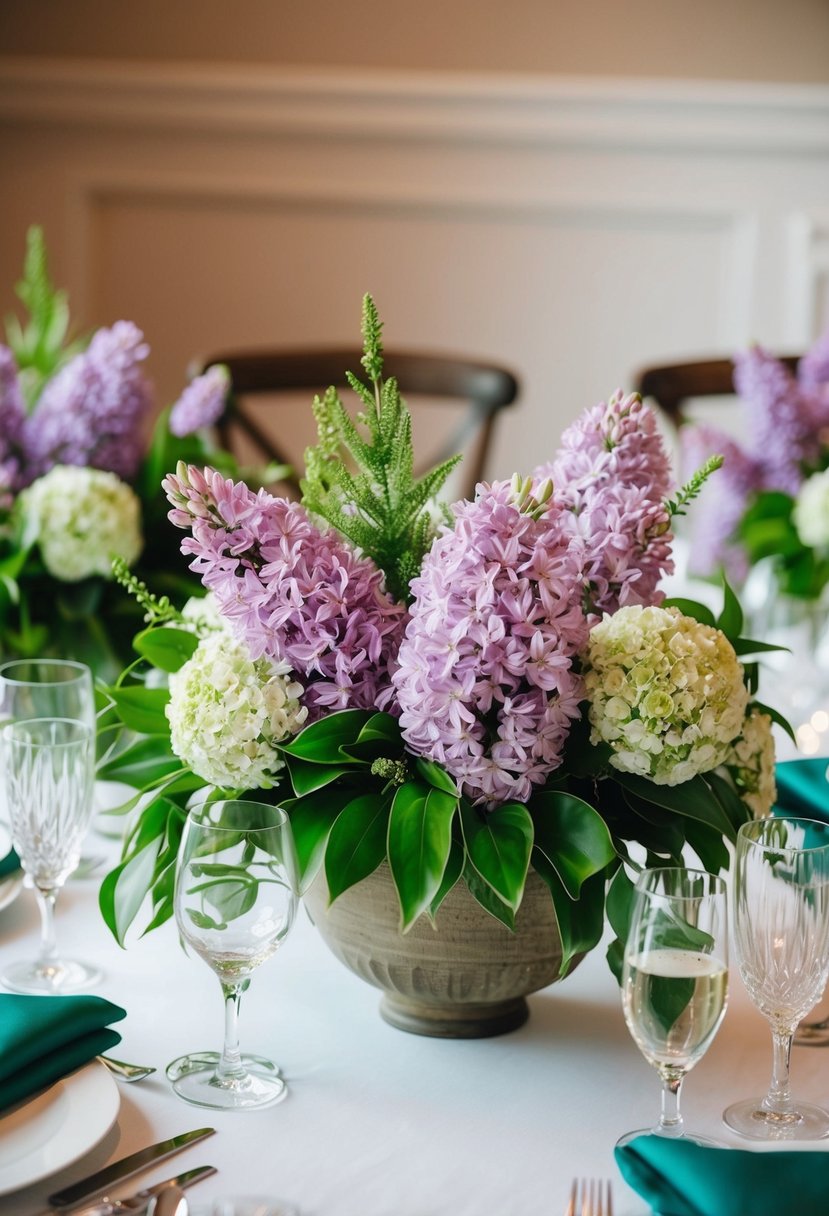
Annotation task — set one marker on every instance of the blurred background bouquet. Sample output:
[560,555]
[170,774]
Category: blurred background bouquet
[80,468]
[764,521]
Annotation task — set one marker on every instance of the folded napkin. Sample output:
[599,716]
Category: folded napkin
[9,864]
[802,788]
[42,1038]
[681,1178]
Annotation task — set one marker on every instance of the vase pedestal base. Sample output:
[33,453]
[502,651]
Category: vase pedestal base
[458,1021]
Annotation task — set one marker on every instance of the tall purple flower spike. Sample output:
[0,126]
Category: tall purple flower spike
[12,421]
[92,412]
[613,474]
[485,678]
[291,591]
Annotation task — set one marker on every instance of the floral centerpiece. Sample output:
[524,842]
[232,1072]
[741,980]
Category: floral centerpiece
[765,521]
[471,697]
[78,481]
[771,501]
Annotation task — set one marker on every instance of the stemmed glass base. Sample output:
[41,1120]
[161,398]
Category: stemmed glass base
[705,1141]
[752,1119]
[257,1084]
[49,978]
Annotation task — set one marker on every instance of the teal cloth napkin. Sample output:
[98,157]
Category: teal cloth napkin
[43,1038]
[680,1178]
[802,788]
[9,864]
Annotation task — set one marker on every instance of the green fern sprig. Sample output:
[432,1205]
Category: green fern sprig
[157,608]
[360,478]
[39,346]
[692,487]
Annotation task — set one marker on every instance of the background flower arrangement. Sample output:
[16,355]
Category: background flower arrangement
[771,501]
[78,478]
[462,693]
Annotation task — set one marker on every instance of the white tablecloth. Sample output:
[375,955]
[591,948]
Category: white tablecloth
[379,1122]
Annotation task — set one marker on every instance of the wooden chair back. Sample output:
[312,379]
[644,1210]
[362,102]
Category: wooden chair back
[672,385]
[475,390]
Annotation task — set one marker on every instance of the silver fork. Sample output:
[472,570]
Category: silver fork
[590,1197]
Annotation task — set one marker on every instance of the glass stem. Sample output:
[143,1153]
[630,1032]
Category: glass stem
[230,1065]
[48,956]
[779,1097]
[670,1119]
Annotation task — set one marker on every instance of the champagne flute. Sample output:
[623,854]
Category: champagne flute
[675,978]
[235,901]
[47,774]
[781,924]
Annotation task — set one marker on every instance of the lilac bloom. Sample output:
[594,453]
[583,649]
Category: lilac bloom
[291,591]
[202,403]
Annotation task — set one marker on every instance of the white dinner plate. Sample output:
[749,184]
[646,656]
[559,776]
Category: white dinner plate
[42,1136]
[10,884]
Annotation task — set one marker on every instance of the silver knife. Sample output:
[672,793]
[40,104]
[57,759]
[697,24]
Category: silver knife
[126,1167]
[139,1203]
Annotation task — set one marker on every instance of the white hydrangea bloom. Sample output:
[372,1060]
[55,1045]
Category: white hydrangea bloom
[201,614]
[227,711]
[750,761]
[665,692]
[81,518]
[811,511]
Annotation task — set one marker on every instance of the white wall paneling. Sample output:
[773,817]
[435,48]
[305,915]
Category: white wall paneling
[571,229]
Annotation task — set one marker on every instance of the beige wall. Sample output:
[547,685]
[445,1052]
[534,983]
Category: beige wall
[762,40]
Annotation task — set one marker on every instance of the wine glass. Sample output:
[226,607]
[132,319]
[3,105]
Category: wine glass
[781,935]
[49,688]
[46,688]
[675,977]
[235,901]
[47,774]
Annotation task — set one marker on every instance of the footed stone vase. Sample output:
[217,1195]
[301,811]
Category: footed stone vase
[465,977]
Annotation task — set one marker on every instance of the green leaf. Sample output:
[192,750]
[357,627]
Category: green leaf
[453,871]
[750,646]
[486,897]
[142,762]
[125,888]
[729,799]
[619,904]
[498,845]
[436,775]
[312,818]
[581,921]
[322,740]
[166,648]
[693,608]
[616,959]
[573,837]
[357,843]
[307,777]
[777,718]
[142,709]
[708,846]
[419,841]
[730,620]
[691,798]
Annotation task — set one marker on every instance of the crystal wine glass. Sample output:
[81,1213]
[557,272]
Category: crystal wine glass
[47,774]
[46,688]
[781,935]
[235,901]
[675,977]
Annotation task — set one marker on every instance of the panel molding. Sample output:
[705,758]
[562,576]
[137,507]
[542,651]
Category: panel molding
[441,107]
[89,188]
